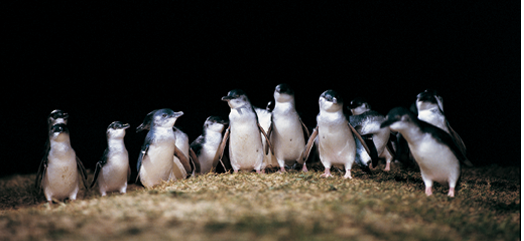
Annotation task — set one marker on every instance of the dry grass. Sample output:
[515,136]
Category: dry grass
[291,206]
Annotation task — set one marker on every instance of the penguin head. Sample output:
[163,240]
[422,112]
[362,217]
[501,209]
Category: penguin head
[165,118]
[283,93]
[330,101]
[429,99]
[116,129]
[358,106]
[56,117]
[59,132]
[159,118]
[398,119]
[236,98]
[214,123]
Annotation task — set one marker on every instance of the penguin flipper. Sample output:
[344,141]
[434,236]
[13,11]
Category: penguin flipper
[269,130]
[99,166]
[97,172]
[220,151]
[267,139]
[371,152]
[460,144]
[194,159]
[82,171]
[305,154]
[304,127]
[183,159]
[141,156]
[42,168]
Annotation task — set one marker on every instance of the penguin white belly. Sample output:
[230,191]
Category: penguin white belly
[209,151]
[61,178]
[245,147]
[157,165]
[436,161]
[336,146]
[288,139]
[113,176]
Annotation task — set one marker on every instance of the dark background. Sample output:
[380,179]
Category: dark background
[119,61]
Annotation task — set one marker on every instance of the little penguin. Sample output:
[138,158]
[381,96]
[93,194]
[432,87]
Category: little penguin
[287,132]
[430,108]
[155,161]
[433,149]
[367,123]
[334,134]
[206,145]
[112,171]
[60,169]
[246,149]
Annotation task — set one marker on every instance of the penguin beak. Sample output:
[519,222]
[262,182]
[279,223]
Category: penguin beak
[227,98]
[178,114]
[125,126]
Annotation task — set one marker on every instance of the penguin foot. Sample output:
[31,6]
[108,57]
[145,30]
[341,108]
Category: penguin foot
[388,167]
[259,172]
[451,192]
[282,170]
[304,168]
[429,191]
[348,174]
[235,171]
[327,173]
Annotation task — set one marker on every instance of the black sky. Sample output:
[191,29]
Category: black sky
[118,61]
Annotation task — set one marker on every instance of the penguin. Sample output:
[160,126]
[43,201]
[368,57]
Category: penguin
[246,149]
[112,171]
[333,135]
[433,149]
[60,170]
[287,132]
[367,123]
[206,145]
[156,159]
[430,108]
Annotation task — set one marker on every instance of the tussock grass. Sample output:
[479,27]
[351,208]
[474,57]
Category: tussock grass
[291,206]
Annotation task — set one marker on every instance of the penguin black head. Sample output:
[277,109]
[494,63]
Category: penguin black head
[116,129]
[398,119]
[57,116]
[330,101]
[283,93]
[115,125]
[215,123]
[428,96]
[358,106]
[429,99]
[161,117]
[165,118]
[236,98]
[284,89]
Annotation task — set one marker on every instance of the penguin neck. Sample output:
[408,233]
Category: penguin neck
[116,144]
[412,133]
[332,114]
[284,106]
[161,133]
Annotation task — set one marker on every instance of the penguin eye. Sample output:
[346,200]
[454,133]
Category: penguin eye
[164,115]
